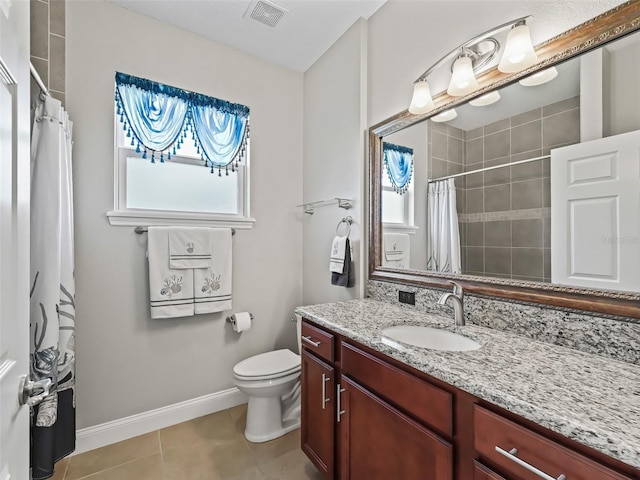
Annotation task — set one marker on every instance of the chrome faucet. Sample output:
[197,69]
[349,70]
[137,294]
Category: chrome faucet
[458,303]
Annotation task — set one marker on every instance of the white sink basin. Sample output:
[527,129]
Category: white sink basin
[428,337]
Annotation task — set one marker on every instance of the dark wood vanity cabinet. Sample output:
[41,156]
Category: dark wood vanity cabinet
[318,427]
[377,441]
[367,416]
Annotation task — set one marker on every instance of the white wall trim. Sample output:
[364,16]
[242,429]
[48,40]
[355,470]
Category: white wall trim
[117,430]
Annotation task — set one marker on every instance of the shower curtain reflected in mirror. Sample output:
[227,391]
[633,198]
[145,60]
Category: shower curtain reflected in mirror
[52,316]
[443,237]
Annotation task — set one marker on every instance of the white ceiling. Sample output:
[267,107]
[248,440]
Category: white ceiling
[301,37]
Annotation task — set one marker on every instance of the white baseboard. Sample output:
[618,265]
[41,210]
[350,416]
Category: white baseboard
[129,427]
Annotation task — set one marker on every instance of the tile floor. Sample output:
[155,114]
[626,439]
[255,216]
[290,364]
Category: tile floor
[207,448]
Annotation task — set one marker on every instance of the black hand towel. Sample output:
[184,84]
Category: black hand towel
[348,277]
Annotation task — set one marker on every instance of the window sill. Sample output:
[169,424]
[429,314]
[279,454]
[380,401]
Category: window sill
[397,228]
[146,218]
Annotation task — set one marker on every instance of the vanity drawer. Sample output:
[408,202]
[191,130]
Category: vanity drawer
[493,432]
[480,472]
[425,402]
[317,341]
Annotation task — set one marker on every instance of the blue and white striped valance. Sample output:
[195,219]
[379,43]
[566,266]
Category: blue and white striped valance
[398,161]
[158,118]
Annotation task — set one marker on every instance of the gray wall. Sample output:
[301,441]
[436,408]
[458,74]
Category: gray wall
[334,126]
[127,363]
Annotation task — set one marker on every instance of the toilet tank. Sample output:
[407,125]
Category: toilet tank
[299,333]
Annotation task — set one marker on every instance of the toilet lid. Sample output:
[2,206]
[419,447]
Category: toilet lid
[269,363]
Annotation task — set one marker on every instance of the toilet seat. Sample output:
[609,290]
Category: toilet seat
[268,365]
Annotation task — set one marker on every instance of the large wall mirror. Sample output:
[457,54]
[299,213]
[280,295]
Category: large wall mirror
[533,197]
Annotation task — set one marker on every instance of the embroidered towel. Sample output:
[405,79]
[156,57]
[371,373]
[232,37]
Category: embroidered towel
[189,247]
[336,261]
[348,276]
[213,285]
[170,291]
[396,251]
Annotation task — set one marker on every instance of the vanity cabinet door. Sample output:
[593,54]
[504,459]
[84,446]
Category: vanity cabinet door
[318,413]
[378,442]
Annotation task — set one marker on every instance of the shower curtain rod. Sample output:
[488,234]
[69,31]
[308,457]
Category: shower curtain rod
[520,162]
[36,77]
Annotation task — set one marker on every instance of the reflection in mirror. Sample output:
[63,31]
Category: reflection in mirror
[537,182]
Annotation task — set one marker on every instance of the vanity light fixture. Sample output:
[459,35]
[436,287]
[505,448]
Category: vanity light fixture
[471,57]
[463,80]
[518,52]
[486,99]
[421,101]
[539,78]
[445,116]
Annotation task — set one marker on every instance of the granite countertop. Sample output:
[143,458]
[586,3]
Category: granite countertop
[588,398]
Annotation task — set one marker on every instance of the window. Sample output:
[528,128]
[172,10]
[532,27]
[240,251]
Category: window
[169,183]
[397,189]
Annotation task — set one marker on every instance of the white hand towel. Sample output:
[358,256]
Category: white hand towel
[213,285]
[189,247]
[336,261]
[170,291]
[396,248]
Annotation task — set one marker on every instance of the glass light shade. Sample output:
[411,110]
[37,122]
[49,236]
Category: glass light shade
[421,102]
[539,78]
[445,116]
[518,52]
[463,80]
[486,99]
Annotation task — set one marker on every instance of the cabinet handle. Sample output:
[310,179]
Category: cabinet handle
[511,455]
[325,399]
[311,342]
[339,412]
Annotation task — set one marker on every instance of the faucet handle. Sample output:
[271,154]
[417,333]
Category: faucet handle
[458,291]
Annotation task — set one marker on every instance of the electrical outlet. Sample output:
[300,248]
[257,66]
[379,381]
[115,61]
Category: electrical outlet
[407,297]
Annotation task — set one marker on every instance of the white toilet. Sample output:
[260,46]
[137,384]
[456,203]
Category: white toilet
[272,382]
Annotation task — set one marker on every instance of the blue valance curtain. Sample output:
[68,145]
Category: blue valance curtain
[159,118]
[398,161]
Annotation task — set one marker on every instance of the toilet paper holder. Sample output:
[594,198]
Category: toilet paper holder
[230,320]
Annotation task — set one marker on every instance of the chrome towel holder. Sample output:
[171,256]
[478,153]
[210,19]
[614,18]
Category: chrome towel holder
[141,230]
[348,220]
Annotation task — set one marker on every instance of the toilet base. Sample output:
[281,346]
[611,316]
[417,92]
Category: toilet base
[265,420]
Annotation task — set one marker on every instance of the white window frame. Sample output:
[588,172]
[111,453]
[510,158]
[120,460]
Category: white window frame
[123,216]
[408,226]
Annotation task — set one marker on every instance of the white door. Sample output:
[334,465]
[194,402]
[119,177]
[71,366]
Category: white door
[595,213]
[14,236]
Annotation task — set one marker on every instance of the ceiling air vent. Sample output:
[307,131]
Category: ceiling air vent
[266,12]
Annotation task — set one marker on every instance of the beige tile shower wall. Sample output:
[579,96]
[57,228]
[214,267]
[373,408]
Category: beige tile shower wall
[447,152]
[506,221]
[48,45]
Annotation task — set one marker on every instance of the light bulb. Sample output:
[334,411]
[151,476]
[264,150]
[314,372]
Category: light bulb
[486,99]
[421,102]
[445,116]
[539,78]
[463,80]
[518,52]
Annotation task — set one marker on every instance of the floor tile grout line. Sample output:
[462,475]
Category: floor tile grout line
[114,466]
[66,469]
[161,454]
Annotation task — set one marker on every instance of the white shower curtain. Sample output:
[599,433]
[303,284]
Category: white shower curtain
[443,237]
[52,286]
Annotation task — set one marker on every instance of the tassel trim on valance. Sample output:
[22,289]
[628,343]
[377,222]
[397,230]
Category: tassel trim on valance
[158,118]
[398,161]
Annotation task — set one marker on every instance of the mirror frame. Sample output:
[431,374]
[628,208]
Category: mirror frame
[596,32]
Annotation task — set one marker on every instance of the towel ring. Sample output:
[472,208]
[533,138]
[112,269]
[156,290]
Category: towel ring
[348,220]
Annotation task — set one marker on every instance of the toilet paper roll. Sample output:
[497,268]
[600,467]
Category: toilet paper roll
[241,321]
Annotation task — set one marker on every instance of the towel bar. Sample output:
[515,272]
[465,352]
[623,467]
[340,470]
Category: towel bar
[141,230]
